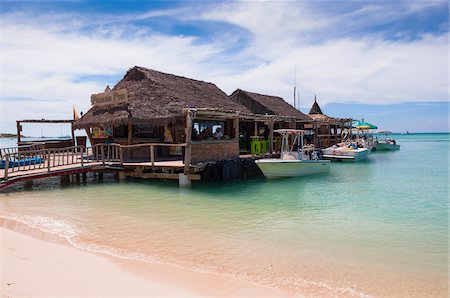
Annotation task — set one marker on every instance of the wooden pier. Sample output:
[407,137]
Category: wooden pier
[30,163]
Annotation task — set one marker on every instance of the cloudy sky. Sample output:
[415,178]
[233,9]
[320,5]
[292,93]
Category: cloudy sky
[385,61]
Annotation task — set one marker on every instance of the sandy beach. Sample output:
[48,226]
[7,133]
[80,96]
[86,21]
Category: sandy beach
[33,267]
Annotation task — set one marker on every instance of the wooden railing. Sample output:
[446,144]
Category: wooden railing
[151,147]
[16,159]
[29,160]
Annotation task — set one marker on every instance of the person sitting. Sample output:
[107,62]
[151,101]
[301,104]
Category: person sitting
[205,134]
[109,140]
[218,134]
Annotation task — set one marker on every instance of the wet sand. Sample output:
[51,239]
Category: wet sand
[34,267]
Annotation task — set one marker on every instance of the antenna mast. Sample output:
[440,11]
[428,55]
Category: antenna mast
[295,83]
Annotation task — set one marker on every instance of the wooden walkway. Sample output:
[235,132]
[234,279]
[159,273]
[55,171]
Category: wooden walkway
[22,165]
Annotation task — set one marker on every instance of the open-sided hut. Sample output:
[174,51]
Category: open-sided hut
[149,106]
[327,129]
[282,115]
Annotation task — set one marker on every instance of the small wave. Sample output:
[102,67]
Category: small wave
[45,224]
[69,232]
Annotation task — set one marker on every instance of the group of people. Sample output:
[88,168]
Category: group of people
[206,134]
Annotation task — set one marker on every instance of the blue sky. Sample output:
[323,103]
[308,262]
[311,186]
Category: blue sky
[384,61]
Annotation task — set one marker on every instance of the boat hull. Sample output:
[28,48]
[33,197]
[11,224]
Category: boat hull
[344,155]
[386,147]
[275,168]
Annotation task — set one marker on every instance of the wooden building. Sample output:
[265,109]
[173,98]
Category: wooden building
[280,114]
[186,119]
[328,130]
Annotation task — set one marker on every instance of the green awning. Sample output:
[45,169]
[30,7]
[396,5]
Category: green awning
[363,125]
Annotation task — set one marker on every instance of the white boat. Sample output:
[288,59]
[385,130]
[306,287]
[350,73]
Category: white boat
[295,160]
[345,152]
[384,145]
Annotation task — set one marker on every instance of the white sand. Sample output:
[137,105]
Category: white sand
[32,267]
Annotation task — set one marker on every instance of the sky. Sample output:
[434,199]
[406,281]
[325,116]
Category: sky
[384,61]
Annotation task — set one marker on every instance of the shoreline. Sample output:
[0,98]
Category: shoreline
[53,257]
[65,270]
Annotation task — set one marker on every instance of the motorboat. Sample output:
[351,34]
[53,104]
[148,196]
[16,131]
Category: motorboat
[295,159]
[347,152]
[363,137]
[386,144]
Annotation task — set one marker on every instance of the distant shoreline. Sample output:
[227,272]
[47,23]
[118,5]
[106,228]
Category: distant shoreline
[9,135]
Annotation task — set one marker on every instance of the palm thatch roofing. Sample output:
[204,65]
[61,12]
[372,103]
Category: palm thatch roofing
[267,104]
[317,115]
[157,98]
[315,109]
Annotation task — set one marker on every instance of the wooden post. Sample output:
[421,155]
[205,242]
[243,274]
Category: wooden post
[130,138]
[82,155]
[236,127]
[255,132]
[89,135]
[187,151]
[271,124]
[19,129]
[121,155]
[73,133]
[130,133]
[48,160]
[6,167]
[152,155]
[102,150]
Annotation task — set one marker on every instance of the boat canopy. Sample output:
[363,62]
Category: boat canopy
[363,125]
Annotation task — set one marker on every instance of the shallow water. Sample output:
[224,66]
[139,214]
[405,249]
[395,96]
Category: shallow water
[374,228]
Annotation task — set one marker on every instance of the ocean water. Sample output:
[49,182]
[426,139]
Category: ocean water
[375,228]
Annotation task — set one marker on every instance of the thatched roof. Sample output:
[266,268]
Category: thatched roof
[317,115]
[315,109]
[267,104]
[157,98]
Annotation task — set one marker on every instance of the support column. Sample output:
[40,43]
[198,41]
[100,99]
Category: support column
[236,126]
[73,133]
[122,176]
[130,139]
[29,184]
[184,180]
[187,151]
[130,133]
[271,124]
[19,130]
[89,135]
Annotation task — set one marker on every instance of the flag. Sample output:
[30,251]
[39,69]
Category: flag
[75,114]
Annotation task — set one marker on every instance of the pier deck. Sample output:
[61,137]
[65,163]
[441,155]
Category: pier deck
[44,163]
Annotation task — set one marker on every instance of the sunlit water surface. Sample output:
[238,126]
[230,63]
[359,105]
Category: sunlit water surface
[374,228]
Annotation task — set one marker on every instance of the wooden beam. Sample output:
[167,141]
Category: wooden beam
[172,176]
[89,135]
[271,124]
[236,127]
[73,133]
[187,151]
[46,121]
[130,133]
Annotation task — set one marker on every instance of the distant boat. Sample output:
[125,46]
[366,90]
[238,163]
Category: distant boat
[386,144]
[293,163]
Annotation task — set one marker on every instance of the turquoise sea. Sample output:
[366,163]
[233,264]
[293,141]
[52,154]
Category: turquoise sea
[375,228]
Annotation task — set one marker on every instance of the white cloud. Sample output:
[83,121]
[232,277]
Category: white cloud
[43,57]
